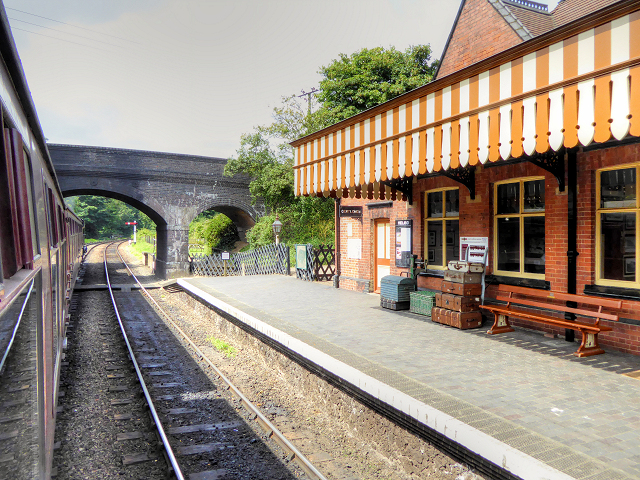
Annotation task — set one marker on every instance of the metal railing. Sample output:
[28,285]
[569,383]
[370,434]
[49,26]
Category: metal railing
[267,260]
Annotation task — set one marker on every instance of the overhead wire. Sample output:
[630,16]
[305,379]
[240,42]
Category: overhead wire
[70,24]
[57,38]
[63,32]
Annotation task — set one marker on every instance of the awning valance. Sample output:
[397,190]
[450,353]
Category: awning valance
[581,89]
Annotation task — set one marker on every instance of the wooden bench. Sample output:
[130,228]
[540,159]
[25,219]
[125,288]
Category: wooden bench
[517,297]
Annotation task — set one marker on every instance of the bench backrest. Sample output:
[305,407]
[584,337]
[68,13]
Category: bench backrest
[547,299]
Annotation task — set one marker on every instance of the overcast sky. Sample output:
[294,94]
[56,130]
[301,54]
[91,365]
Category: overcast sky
[190,76]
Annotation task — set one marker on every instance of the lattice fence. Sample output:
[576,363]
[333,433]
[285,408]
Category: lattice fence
[321,265]
[267,260]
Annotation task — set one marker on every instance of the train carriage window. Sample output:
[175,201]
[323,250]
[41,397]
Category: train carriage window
[35,241]
[12,253]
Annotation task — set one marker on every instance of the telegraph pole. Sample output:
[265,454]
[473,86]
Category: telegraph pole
[308,95]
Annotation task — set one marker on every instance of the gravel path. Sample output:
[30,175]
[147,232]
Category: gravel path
[344,438]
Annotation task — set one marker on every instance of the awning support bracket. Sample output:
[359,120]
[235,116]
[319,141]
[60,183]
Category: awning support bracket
[552,162]
[404,185]
[465,176]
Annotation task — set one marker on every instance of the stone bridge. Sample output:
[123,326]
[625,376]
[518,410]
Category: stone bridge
[172,189]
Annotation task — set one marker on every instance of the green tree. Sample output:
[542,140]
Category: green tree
[350,84]
[105,217]
[354,83]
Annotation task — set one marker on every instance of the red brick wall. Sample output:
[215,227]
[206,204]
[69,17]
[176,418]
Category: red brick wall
[480,33]
[476,219]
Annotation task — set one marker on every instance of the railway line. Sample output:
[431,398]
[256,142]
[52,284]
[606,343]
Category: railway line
[166,404]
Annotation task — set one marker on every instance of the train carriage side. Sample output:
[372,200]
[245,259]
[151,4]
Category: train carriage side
[41,244]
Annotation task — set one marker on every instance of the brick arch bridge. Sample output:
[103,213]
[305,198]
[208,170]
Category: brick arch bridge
[172,189]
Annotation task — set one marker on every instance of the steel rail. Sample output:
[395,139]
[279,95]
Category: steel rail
[17,325]
[264,422]
[152,409]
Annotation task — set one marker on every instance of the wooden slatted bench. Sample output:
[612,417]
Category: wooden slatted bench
[517,297]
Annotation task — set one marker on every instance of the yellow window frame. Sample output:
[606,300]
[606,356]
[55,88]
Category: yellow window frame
[442,220]
[599,211]
[521,215]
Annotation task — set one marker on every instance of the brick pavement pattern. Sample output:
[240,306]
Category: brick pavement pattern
[579,416]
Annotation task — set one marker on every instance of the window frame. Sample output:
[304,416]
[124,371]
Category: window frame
[443,220]
[521,215]
[599,210]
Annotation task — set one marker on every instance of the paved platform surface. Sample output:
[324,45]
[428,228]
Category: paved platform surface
[519,397]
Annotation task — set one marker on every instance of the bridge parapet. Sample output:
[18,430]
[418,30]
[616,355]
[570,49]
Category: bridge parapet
[172,189]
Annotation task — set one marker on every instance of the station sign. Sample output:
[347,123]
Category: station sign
[351,211]
[131,223]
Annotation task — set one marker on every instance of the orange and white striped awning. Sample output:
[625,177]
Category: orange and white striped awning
[575,90]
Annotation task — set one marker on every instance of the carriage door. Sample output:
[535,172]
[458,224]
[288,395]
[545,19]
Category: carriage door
[382,257]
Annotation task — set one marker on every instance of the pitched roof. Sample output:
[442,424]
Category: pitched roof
[526,18]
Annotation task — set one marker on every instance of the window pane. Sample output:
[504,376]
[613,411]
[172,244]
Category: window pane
[534,244]
[452,203]
[509,244]
[434,252]
[618,188]
[453,240]
[434,204]
[508,198]
[533,196]
[618,246]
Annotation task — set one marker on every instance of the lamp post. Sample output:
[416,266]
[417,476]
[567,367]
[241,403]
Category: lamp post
[277,227]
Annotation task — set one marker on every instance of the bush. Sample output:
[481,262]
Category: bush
[220,233]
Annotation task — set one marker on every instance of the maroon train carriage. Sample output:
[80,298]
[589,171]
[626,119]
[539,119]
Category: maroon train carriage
[41,244]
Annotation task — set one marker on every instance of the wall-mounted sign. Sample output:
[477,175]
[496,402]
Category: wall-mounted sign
[301,257]
[477,247]
[350,211]
[404,235]
[354,248]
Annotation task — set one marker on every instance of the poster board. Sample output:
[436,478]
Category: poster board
[474,249]
[404,246]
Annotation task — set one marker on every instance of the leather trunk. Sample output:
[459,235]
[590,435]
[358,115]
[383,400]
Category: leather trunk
[460,303]
[464,289]
[465,320]
[462,277]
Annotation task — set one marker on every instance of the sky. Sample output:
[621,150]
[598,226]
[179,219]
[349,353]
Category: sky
[191,76]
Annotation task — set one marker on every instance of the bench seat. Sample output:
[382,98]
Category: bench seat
[549,301]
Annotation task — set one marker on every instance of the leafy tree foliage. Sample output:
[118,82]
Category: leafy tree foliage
[354,83]
[105,217]
[350,85]
[220,233]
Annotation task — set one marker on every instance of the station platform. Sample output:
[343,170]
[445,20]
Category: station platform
[519,400]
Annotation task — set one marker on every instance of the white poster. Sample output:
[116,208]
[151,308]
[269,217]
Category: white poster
[478,248]
[354,248]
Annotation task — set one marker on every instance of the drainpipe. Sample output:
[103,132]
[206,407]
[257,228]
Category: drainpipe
[336,277]
[572,233]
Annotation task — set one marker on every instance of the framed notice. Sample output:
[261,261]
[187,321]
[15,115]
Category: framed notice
[226,256]
[404,230]
[474,249]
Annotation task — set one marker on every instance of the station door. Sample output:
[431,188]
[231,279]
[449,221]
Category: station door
[382,255]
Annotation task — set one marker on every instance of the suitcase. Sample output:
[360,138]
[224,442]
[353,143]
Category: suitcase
[438,299]
[460,303]
[466,320]
[465,289]
[462,266]
[462,277]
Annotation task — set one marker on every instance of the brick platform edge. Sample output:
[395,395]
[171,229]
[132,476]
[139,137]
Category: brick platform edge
[498,453]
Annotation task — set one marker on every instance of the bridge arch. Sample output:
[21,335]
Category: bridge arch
[172,189]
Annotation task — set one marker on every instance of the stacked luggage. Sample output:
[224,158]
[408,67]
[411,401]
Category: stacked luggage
[459,303]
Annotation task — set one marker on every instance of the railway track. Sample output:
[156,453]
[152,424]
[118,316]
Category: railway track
[202,425]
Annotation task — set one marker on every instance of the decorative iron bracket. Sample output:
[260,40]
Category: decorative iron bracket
[552,162]
[404,185]
[465,176]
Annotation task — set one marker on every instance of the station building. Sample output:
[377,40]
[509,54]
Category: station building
[526,144]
